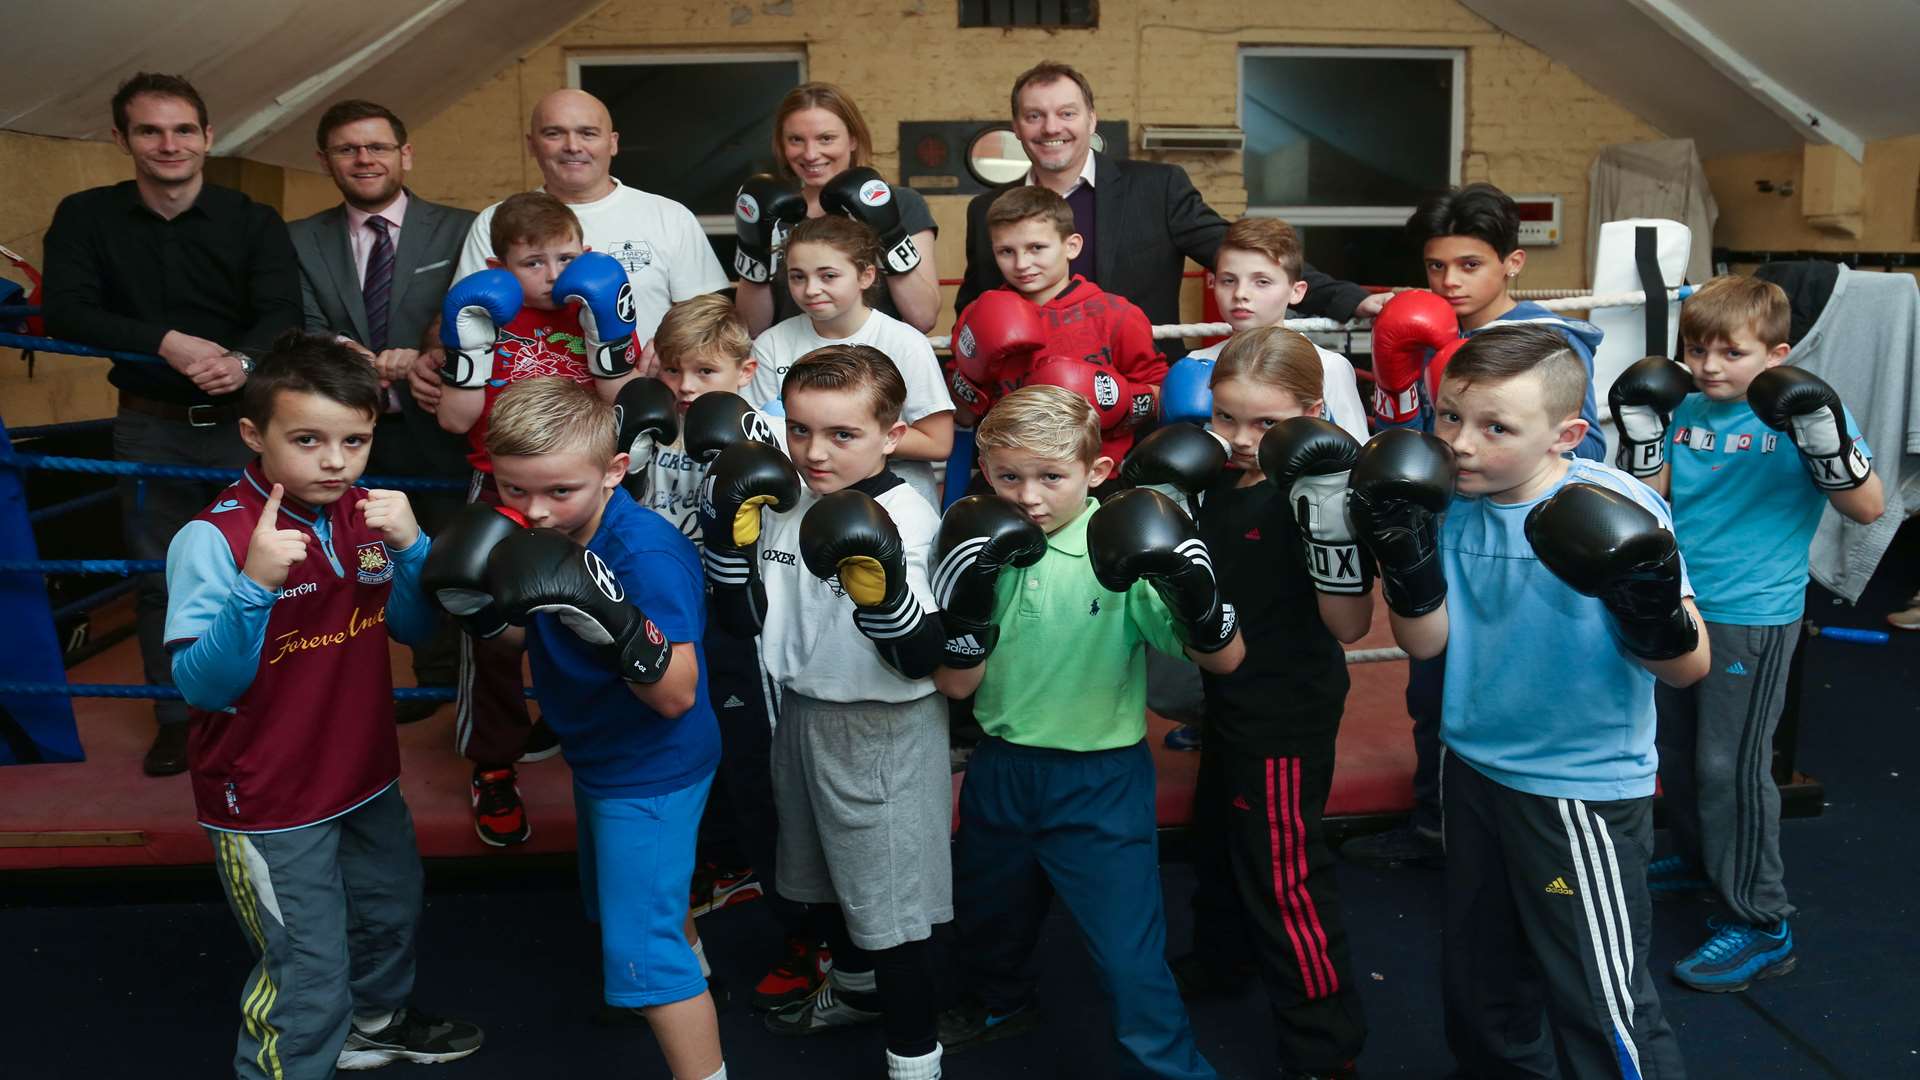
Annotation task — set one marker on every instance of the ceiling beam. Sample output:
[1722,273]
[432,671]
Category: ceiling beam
[1812,124]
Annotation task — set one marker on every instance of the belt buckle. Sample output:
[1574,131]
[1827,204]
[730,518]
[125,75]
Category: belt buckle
[193,416]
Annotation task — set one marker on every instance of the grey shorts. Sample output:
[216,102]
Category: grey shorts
[865,798]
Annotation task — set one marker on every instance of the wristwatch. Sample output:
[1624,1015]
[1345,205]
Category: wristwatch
[246,362]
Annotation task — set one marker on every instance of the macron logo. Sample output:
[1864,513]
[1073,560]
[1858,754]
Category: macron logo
[302,589]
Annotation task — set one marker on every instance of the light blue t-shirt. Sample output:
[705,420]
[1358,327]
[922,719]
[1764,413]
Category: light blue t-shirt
[1744,509]
[1540,696]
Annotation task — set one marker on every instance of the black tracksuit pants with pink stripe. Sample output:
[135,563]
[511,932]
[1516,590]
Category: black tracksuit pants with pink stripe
[1266,881]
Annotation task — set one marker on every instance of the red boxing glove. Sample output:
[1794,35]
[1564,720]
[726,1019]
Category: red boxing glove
[1112,394]
[970,397]
[1412,325]
[996,335]
[1437,367]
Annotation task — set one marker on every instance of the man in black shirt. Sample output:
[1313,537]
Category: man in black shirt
[166,263]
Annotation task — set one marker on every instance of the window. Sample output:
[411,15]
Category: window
[692,125]
[1074,13]
[1343,142]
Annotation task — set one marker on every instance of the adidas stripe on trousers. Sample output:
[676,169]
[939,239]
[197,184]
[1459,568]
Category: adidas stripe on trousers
[1548,916]
[330,910]
[1716,762]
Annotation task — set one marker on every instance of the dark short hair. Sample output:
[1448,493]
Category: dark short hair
[307,363]
[1480,211]
[152,82]
[1030,202]
[1500,353]
[352,110]
[530,217]
[860,369]
[1044,72]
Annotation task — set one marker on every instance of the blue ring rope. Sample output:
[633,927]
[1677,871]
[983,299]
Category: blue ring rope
[172,693]
[100,467]
[70,427]
[78,502]
[29,343]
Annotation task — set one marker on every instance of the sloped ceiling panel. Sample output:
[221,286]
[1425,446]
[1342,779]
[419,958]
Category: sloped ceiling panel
[266,69]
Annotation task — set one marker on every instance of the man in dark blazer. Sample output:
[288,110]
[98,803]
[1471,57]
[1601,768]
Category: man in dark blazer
[1139,221]
[373,271]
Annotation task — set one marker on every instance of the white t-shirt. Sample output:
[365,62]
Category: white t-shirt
[809,643]
[789,340]
[1339,389]
[658,240]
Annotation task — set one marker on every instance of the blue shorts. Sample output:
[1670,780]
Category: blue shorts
[636,860]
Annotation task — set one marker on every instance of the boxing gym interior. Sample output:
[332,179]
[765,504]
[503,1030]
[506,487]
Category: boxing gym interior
[1633,151]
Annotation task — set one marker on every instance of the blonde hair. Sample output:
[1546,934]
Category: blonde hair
[707,324]
[1050,422]
[1266,236]
[820,95]
[1732,304]
[1277,357]
[551,416]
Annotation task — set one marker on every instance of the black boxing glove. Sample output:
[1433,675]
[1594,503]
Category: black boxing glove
[1605,545]
[862,195]
[455,573]
[849,537]
[1398,491]
[1141,534]
[647,419]
[1181,455]
[1310,461]
[979,536]
[1801,404]
[1642,401]
[718,419]
[743,478]
[539,570]
[763,211]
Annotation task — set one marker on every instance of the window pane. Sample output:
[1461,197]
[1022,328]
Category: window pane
[1346,130]
[1368,255]
[670,142]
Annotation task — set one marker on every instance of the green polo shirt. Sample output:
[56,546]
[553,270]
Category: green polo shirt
[1069,672]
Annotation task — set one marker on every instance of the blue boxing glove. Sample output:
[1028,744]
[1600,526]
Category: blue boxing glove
[475,309]
[599,284]
[1185,393]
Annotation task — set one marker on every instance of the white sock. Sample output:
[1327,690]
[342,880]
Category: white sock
[372,1021]
[860,983]
[706,970]
[721,1075]
[924,1067]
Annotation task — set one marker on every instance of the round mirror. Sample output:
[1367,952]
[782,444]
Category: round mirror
[995,157]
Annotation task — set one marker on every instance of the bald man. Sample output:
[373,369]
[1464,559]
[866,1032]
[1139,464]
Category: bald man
[658,240]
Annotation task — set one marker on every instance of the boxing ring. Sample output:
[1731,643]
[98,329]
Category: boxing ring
[73,726]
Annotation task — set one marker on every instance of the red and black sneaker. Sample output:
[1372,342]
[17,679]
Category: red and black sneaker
[715,887]
[499,817]
[795,977]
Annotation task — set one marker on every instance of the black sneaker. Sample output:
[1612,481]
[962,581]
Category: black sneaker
[542,743]
[825,1010]
[1406,845]
[499,817]
[971,1023]
[412,1035]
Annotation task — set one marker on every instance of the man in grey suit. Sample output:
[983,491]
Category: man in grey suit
[373,271]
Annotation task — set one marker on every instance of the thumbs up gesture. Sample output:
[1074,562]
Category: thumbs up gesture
[273,550]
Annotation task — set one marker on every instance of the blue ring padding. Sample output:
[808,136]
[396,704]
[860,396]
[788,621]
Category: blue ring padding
[29,343]
[83,566]
[171,693]
[93,600]
[71,427]
[78,502]
[100,467]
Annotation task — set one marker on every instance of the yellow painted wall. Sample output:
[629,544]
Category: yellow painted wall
[1754,220]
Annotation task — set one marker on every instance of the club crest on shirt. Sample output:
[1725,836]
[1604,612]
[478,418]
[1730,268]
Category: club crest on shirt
[633,255]
[374,564]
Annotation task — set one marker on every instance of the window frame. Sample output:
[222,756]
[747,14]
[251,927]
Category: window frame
[1358,215]
[711,224]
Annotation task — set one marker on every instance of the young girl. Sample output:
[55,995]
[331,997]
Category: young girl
[1267,759]
[830,264]
[818,133]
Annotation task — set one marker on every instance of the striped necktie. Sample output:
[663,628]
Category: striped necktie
[377,288]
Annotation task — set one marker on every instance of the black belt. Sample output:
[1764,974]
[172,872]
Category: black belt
[196,415]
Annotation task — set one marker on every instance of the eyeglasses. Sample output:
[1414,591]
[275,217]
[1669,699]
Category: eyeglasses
[352,150]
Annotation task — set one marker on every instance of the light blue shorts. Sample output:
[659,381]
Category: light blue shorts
[636,862]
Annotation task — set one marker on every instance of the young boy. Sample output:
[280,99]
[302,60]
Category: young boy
[1094,343]
[838,587]
[1744,512]
[704,350]
[606,599]
[1557,595]
[1255,279]
[500,326]
[1060,795]
[1470,244]
[290,581]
